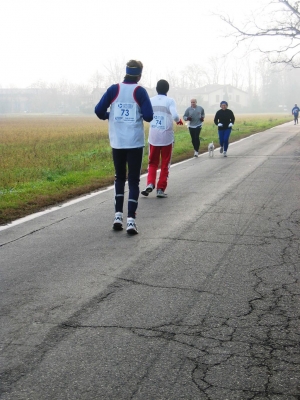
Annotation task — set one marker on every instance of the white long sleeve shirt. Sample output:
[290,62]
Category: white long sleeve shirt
[161,127]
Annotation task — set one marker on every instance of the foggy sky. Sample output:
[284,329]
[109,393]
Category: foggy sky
[72,39]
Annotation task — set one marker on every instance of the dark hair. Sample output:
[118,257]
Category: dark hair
[131,65]
[162,86]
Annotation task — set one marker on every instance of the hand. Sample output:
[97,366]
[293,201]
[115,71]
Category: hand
[179,122]
[202,119]
[230,125]
[189,118]
[219,124]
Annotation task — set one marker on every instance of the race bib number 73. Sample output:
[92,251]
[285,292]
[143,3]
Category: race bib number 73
[125,112]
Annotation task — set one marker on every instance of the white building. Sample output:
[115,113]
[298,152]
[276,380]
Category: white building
[210,97]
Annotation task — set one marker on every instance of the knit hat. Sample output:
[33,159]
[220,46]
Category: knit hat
[162,86]
[224,102]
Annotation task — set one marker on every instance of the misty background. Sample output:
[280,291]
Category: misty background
[60,56]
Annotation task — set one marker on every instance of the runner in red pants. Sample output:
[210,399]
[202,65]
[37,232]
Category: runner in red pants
[157,153]
[161,139]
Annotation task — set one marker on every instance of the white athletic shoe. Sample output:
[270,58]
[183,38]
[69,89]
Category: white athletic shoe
[161,193]
[225,154]
[148,190]
[196,154]
[131,226]
[118,222]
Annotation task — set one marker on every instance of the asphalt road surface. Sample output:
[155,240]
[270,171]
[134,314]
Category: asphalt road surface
[202,304]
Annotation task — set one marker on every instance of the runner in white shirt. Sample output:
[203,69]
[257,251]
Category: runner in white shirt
[161,139]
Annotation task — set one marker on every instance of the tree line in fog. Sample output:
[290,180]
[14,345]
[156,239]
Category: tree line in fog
[270,88]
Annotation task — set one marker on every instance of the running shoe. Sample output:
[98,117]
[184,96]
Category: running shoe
[131,227]
[118,222]
[148,189]
[161,193]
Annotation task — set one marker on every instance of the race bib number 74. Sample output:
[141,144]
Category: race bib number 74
[125,112]
[158,122]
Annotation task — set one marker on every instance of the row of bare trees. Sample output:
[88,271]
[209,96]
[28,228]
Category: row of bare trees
[269,86]
[215,70]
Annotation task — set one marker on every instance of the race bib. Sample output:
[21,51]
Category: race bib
[125,112]
[158,122]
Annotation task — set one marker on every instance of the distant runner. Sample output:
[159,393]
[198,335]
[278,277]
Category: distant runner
[195,115]
[295,112]
[224,119]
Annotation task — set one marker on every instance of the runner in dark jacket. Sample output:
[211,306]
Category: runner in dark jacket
[224,119]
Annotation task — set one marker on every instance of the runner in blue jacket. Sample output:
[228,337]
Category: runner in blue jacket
[295,113]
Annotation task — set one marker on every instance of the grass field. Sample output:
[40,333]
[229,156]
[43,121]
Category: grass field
[45,160]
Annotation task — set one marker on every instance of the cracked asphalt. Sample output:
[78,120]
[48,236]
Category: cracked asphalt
[203,304]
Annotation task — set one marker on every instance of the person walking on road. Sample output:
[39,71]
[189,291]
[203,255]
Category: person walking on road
[161,139]
[295,113]
[224,119]
[129,105]
[195,116]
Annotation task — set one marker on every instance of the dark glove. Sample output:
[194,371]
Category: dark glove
[201,119]
[189,118]
[179,122]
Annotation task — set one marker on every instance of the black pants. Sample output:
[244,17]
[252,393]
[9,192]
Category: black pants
[195,136]
[133,159]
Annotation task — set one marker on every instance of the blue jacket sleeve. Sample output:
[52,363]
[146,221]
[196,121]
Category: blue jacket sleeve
[144,102]
[105,102]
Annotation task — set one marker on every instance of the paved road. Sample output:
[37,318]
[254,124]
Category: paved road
[202,304]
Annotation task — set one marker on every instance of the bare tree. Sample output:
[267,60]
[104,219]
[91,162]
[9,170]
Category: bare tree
[97,80]
[193,74]
[39,84]
[280,23]
[115,71]
[215,66]
[147,78]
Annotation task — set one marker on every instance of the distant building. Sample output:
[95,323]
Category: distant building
[210,97]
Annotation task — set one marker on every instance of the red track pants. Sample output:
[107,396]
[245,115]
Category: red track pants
[156,154]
